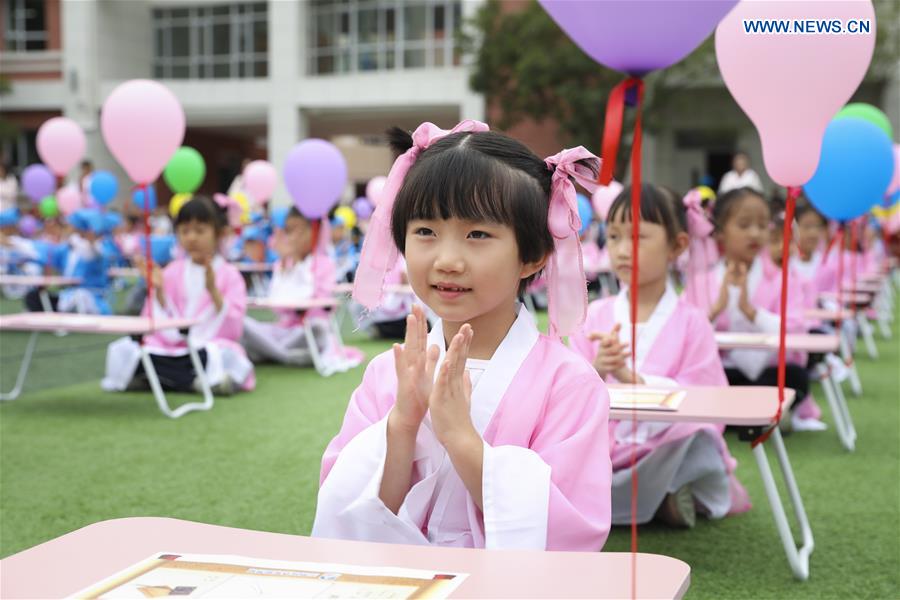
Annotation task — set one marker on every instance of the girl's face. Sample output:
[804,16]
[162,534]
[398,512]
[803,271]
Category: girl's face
[810,233]
[464,269]
[655,252]
[295,240]
[746,229]
[199,240]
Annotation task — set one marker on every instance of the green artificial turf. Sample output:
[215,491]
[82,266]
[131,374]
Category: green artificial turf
[71,455]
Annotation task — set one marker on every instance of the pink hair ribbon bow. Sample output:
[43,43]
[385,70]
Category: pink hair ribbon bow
[379,253]
[566,283]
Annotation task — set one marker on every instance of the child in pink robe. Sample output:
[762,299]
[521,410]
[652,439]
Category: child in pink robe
[201,285]
[483,433]
[680,466]
[742,293]
[301,273]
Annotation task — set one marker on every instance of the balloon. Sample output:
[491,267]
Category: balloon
[60,144]
[233,209]
[68,199]
[603,198]
[860,110]
[28,225]
[363,208]
[139,198]
[177,201]
[104,187]
[185,171]
[279,216]
[855,169]
[373,189]
[38,182]
[260,179]
[48,207]
[346,214]
[707,194]
[585,213]
[143,125]
[244,203]
[637,37]
[791,85]
[315,173]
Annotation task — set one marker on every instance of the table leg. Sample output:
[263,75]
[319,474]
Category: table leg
[838,405]
[847,355]
[160,395]
[798,559]
[23,369]
[865,328]
[318,360]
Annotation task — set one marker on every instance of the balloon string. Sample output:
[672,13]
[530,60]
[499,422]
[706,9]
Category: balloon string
[793,193]
[840,276]
[855,256]
[148,254]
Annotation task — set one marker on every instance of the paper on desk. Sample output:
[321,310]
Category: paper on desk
[645,398]
[167,574]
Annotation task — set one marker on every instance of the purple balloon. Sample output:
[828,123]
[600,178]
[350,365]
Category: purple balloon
[363,208]
[38,182]
[315,174]
[638,36]
[28,225]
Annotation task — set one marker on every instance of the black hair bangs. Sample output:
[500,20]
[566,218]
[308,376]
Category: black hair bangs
[201,209]
[450,180]
[659,206]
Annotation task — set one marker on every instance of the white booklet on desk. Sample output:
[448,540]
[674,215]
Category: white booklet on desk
[167,574]
[645,398]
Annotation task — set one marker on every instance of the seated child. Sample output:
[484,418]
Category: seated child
[201,285]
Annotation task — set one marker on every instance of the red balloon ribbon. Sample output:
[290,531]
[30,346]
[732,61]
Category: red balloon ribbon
[612,134]
[793,193]
[854,241]
[148,254]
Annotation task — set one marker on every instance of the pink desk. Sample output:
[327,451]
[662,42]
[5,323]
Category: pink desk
[754,408]
[823,314]
[39,280]
[392,288]
[42,322]
[847,297]
[302,305]
[76,560]
[124,272]
[818,343]
[254,267]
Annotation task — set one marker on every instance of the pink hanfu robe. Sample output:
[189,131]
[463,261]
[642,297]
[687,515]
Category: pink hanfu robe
[543,413]
[676,347]
[218,332]
[285,341]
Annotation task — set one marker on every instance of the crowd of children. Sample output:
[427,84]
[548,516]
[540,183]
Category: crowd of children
[481,431]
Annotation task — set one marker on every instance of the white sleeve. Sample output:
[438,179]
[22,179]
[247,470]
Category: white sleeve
[349,506]
[766,321]
[516,498]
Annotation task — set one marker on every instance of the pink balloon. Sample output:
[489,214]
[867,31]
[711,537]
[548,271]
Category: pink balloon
[260,179]
[143,125]
[68,199]
[60,144]
[603,198]
[374,188]
[792,84]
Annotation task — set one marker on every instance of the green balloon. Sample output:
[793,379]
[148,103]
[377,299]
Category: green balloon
[867,112]
[48,207]
[185,171]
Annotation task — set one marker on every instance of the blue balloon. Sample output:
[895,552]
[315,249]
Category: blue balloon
[162,248]
[855,169]
[138,198]
[585,212]
[279,216]
[104,187]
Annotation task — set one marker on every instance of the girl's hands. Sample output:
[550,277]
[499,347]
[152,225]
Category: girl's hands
[450,399]
[612,354]
[414,365]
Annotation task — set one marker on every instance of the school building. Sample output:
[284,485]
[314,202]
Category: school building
[256,76]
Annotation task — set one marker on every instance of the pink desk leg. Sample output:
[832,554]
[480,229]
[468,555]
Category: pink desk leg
[160,395]
[866,330]
[317,358]
[798,559]
[847,355]
[23,369]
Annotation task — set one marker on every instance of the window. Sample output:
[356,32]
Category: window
[26,28]
[223,41]
[372,35]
